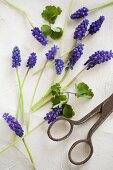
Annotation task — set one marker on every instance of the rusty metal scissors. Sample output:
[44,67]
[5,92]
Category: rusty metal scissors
[104,109]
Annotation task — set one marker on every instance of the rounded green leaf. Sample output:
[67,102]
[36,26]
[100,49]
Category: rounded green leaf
[83,90]
[50,13]
[68,111]
[46,29]
[56,33]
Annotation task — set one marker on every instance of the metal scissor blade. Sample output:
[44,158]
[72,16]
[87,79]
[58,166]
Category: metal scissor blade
[107,107]
[95,111]
[106,110]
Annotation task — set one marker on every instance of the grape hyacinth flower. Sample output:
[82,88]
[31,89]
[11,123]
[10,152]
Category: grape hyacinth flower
[75,56]
[81,30]
[51,53]
[31,62]
[80,13]
[16,58]
[13,124]
[95,26]
[38,34]
[59,65]
[98,58]
[53,114]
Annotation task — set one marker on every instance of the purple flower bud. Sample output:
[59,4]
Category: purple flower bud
[13,124]
[81,30]
[98,58]
[52,115]
[31,60]
[75,56]
[59,65]
[16,58]
[51,53]
[80,13]
[38,34]
[95,26]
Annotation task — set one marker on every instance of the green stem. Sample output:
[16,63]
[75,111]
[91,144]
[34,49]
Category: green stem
[39,70]
[66,23]
[40,105]
[101,6]
[25,77]
[71,82]
[20,10]
[15,142]
[64,77]
[34,93]
[21,94]
[68,92]
[29,153]
[18,108]
[48,92]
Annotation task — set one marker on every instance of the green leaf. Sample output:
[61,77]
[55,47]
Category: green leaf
[59,100]
[83,90]
[50,13]
[68,111]
[56,33]
[55,89]
[46,29]
[63,97]
[55,101]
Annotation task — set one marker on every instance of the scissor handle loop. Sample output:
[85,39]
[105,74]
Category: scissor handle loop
[74,145]
[53,123]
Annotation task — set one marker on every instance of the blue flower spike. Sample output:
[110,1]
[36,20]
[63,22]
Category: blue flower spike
[98,58]
[95,26]
[31,62]
[13,124]
[75,56]
[38,34]
[16,58]
[80,13]
[50,55]
[52,115]
[59,65]
[81,30]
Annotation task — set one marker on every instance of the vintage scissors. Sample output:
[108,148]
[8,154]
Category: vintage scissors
[104,109]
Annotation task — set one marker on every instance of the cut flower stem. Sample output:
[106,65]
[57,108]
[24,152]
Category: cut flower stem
[19,10]
[48,92]
[40,105]
[21,94]
[34,93]
[19,100]
[101,6]
[29,153]
[66,23]
[20,139]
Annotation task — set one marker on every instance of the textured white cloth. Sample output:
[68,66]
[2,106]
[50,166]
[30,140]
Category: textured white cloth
[15,30]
